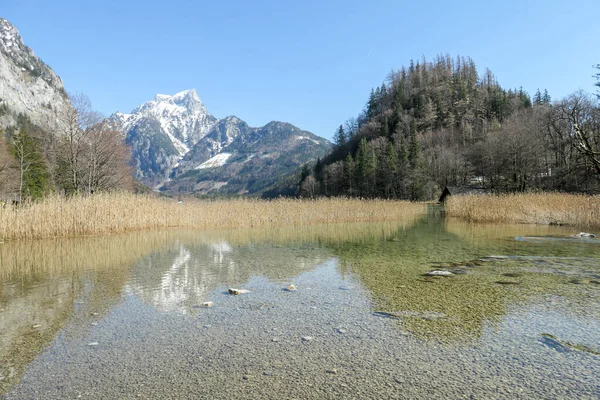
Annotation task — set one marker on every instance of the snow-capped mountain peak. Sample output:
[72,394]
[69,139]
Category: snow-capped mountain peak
[182,117]
[184,104]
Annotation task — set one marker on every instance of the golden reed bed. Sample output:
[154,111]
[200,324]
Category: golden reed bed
[122,212]
[530,208]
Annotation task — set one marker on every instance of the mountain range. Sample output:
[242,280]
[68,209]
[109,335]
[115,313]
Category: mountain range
[177,146]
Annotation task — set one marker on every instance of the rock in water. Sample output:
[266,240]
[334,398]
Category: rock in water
[237,291]
[585,235]
[439,272]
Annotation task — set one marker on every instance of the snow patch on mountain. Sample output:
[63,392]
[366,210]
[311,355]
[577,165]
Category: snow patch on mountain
[306,138]
[217,161]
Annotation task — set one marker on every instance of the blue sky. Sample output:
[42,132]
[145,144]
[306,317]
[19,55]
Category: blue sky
[311,63]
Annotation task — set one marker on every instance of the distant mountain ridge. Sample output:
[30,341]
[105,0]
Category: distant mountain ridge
[177,146]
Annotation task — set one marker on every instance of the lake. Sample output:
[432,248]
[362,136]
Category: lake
[124,316]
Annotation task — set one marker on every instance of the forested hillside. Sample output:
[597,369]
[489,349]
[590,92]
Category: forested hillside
[443,122]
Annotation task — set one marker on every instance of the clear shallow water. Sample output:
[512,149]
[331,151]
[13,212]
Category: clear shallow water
[121,317]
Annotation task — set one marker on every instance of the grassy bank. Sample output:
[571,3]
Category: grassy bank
[122,212]
[532,208]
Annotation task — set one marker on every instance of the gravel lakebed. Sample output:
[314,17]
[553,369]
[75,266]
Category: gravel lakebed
[323,340]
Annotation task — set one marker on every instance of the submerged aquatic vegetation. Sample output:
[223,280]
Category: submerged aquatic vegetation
[486,281]
[564,345]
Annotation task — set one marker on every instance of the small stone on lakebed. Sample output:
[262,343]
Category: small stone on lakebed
[439,272]
[585,235]
[237,291]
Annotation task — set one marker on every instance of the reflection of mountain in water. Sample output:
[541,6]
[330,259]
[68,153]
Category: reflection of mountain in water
[179,280]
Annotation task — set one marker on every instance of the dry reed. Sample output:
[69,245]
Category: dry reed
[530,208]
[103,214]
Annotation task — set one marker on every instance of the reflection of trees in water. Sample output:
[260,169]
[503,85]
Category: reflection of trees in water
[45,283]
[30,318]
[393,271]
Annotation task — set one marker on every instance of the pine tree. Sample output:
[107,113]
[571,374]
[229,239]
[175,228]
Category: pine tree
[349,172]
[340,137]
[385,130]
[546,99]
[391,170]
[537,99]
[416,165]
[366,166]
[34,179]
[305,173]
[414,151]
[403,170]
[317,170]
[372,105]
[371,170]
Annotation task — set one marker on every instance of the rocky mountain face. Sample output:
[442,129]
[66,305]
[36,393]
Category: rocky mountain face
[161,131]
[27,84]
[179,147]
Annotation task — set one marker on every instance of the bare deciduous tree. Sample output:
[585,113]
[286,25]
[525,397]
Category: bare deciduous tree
[9,180]
[90,155]
[72,142]
[106,160]
[581,115]
[309,187]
